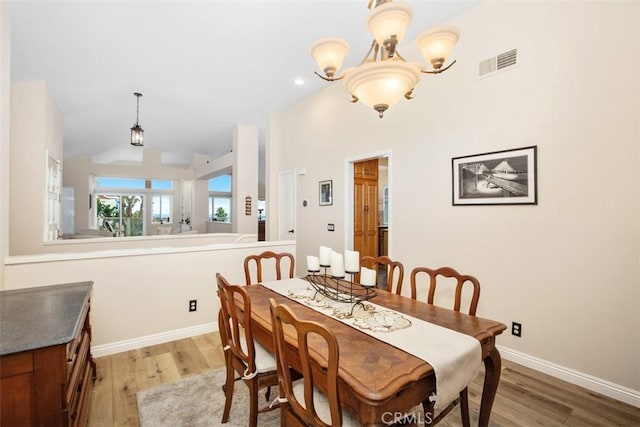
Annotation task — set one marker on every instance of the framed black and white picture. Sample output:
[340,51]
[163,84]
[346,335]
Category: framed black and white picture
[326,192]
[505,177]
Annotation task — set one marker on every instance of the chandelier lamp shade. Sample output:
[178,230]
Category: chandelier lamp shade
[384,77]
[137,133]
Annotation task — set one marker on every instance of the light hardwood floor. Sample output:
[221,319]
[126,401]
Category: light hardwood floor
[525,397]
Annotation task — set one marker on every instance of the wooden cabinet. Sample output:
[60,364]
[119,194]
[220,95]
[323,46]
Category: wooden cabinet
[367,169]
[48,385]
[365,207]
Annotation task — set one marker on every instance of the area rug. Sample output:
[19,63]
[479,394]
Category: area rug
[198,401]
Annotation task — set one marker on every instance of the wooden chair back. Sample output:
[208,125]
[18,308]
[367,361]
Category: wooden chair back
[290,354]
[236,326]
[395,271]
[249,361]
[257,259]
[461,280]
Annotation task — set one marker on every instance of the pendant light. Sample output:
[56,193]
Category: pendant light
[137,134]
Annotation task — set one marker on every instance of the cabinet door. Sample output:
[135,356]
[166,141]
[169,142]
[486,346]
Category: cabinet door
[365,221]
[367,169]
[359,226]
[16,389]
[17,400]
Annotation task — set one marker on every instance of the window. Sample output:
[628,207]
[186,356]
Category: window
[220,209]
[157,184]
[120,214]
[124,183]
[161,209]
[120,205]
[161,201]
[220,198]
[220,184]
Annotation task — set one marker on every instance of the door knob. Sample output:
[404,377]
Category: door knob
[290,231]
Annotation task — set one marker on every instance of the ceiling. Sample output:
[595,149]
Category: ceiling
[202,66]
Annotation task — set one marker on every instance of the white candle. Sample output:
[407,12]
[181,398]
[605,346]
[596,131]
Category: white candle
[352,261]
[313,264]
[325,256]
[337,264]
[367,277]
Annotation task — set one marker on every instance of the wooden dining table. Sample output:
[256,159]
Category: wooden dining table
[377,381]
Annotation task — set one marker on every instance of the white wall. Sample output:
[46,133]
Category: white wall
[245,179]
[5,107]
[567,268]
[36,129]
[141,297]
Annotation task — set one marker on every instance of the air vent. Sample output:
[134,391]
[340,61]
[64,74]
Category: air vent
[497,63]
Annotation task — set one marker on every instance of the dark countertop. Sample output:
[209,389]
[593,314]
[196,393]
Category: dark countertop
[42,316]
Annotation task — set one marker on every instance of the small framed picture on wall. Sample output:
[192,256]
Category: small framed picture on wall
[326,192]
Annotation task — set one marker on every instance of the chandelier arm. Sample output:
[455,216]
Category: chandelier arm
[410,95]
[397,54]
[329,79]
[439,70]
[374,45]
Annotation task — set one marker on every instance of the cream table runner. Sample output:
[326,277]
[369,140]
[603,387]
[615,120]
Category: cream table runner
[455,357]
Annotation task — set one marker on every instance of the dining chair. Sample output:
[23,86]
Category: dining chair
[302,403]
[253,364]
[391,268]
[461,280]
[258,259]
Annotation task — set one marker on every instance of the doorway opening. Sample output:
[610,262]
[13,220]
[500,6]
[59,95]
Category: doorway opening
[368,202]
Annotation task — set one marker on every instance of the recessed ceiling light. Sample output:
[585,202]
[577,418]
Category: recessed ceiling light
[298,82]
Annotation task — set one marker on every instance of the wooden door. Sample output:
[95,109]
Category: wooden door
[365,208]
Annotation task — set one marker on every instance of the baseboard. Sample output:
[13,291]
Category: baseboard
[598,385]
[145,341]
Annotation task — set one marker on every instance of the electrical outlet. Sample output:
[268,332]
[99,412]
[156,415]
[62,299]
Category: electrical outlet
[516,329]
[193,305]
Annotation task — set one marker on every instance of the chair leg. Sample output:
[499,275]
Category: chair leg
[253,403]
[267,393]
[228,392]
[429,413]
[464,407]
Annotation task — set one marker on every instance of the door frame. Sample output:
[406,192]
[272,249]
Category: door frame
[281,203]
[348,193]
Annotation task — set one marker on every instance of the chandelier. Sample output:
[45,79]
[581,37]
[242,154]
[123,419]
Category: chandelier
[137,134]
[384,77]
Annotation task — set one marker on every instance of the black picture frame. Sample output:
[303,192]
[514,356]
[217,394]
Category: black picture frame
[325,192]
[507,177]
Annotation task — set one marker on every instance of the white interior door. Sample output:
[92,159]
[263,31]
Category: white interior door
[53,228]
[287,206]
